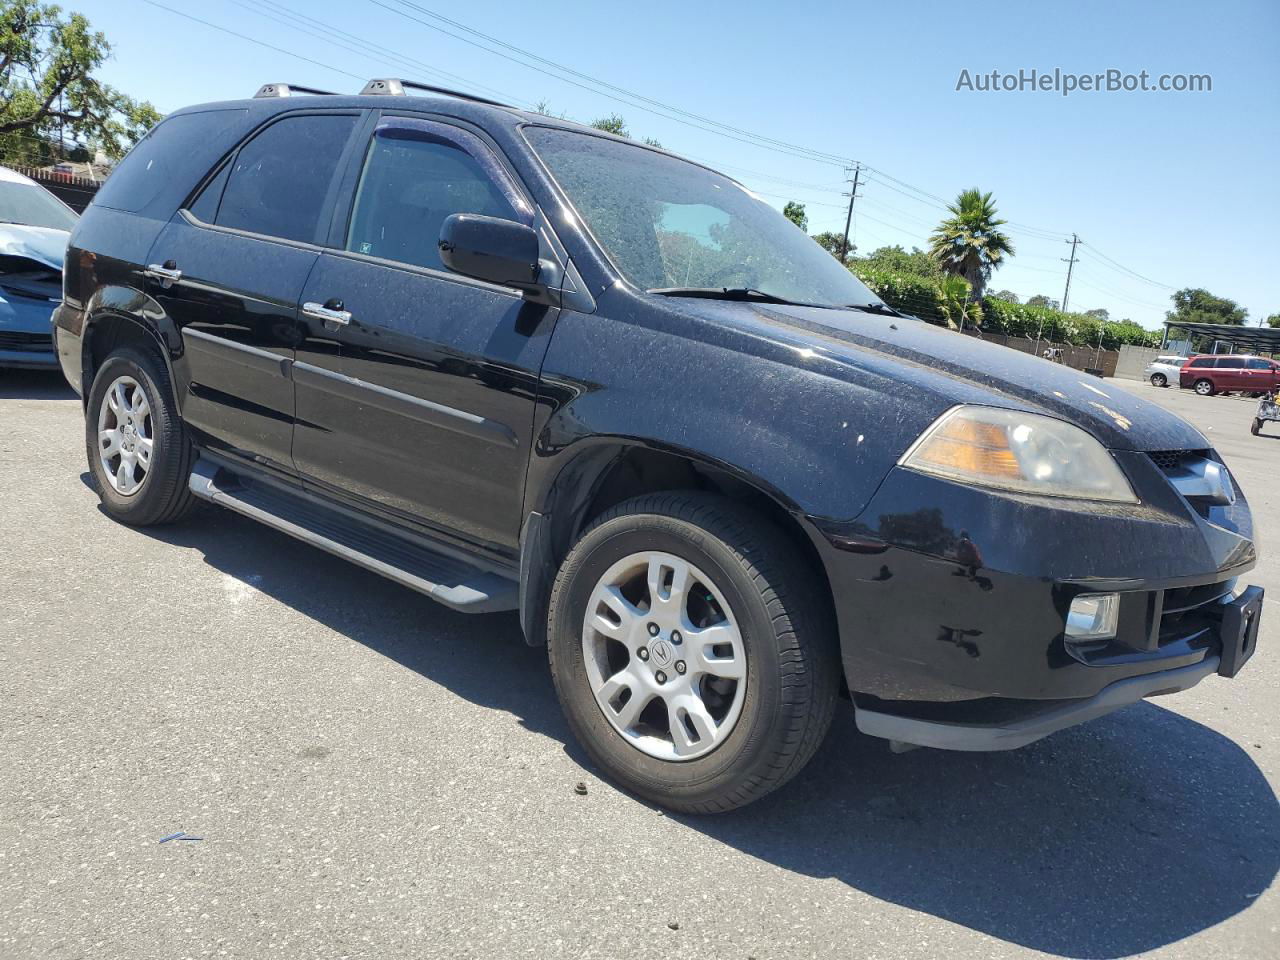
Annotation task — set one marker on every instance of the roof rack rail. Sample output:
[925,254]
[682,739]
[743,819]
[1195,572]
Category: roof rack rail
[394,87]
[288,90]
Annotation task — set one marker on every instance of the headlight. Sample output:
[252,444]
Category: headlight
[1018,451]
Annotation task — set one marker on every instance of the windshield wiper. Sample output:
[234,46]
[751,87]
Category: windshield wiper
[881,308]
[732,293]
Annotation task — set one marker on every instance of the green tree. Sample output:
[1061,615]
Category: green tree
[1099,313]
[652,142]
[1040,300]
[917,263]
[832,242]
[1273,320]
[1197,305]
[48,90]
[612,124]
[1006,295]
[969,243]
[794,211]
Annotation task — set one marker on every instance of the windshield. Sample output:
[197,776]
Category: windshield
[34,206]
[666,223]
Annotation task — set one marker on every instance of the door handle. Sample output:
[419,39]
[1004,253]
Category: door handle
[167,273]
[330,312]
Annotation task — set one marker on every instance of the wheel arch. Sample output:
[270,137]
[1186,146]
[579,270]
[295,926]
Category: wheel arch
[608,470]
[118,315]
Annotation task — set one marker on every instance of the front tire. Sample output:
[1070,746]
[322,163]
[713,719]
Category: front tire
[1159,380]
[692,651]
[139,453]
[1257,427]
[1204,388]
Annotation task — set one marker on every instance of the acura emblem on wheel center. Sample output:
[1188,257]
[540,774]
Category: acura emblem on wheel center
[660,652]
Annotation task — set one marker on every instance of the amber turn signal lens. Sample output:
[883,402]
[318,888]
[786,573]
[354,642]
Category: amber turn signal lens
[972,448]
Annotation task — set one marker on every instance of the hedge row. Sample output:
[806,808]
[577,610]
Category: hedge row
[1022,320]
[907,292]
[921,297]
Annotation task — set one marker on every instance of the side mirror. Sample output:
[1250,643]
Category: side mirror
[493,249]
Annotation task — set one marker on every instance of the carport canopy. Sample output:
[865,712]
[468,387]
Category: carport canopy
[1238,339]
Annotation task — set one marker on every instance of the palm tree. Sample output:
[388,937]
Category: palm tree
[969,242]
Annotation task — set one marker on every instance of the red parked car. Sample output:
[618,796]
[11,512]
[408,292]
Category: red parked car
[1208,375]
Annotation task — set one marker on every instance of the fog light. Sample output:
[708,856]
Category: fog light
[1093,617]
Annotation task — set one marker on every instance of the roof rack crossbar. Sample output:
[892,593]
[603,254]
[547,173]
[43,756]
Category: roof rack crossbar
[394,87]
[288,90]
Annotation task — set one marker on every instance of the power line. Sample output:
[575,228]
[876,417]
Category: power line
[658,108]
[338,37]
[1134,273]
[287,53]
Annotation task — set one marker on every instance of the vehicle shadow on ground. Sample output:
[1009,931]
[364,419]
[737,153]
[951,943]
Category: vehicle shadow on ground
[1127,834]
[18,384]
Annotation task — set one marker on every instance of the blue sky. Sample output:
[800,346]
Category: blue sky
[1175,188]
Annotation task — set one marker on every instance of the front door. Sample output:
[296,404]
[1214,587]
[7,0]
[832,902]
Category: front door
[230,270]
[416,386]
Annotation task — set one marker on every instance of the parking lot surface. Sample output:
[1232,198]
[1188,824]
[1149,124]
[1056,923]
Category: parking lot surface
[372,775]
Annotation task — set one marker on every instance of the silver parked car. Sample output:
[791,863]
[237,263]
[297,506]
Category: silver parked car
[1164,370]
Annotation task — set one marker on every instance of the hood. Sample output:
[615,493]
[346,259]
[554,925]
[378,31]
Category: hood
[45,245]
[959,369]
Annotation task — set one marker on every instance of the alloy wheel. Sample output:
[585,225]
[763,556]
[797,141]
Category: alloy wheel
[664,656]
[126,436]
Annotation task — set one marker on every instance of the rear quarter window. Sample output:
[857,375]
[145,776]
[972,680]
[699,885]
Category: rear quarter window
[1201,362]
[166,164]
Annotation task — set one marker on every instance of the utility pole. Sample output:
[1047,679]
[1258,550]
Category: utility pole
[1070,262]
[848,220]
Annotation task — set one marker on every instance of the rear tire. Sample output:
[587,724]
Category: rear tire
[139,454]
[1257,427]
[1159,380]
[1204,388]
[746,581]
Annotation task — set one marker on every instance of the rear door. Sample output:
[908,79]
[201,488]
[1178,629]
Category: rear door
[229,269]
[1230,373]
[426,410]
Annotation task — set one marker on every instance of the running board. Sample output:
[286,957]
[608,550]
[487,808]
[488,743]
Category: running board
[410,562]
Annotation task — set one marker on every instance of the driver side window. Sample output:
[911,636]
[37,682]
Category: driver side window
[414,177]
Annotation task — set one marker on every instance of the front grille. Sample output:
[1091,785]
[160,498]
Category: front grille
[1190,611]
[21,340]
[1168,460]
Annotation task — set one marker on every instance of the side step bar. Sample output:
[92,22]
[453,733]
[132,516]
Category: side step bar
[411,562]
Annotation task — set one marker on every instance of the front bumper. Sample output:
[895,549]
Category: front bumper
[952,600]
[1034,724]
[26,332]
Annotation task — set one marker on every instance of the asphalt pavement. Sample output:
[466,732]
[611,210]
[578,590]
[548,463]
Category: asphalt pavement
[370,775]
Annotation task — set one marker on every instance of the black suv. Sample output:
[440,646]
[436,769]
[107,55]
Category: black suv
[520,364]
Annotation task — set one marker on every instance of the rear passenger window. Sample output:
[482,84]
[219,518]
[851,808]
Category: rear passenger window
[1232,363]
[279,180]
[414,177]
[206,206]
[169,161]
